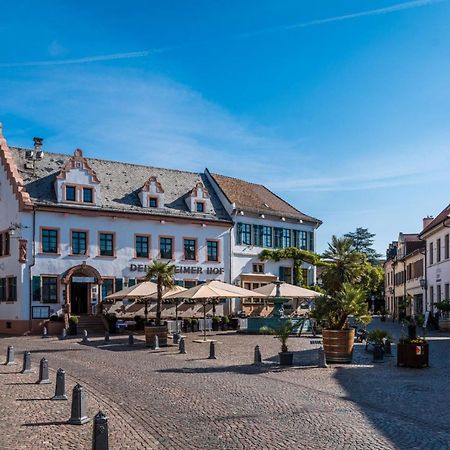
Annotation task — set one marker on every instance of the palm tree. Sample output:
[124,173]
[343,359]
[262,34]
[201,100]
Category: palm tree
[346,265]
[163,273]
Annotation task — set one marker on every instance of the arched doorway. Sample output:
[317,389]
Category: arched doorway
[82,289]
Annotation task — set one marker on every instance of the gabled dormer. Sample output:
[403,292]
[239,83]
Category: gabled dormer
[77,183]
[152,194]
[198,200]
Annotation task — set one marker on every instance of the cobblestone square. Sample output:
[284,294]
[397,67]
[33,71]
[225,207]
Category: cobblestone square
[162,399]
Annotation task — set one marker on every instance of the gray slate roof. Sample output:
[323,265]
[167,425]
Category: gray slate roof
[120,184]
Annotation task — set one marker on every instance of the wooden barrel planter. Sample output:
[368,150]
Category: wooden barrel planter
[160,331]
[338,345]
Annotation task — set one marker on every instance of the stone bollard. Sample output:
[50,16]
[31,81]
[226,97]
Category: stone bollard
[106,337]
[156,342]
[212,350]
[257,357]
[43,372]
[130,339]
[182,346]
[63,334]
[10,356]
[78,413]
[100,432]
[322,359]
[85,339]
[44,333]
[26,368]
[60,390]
[176,338]
[387,348]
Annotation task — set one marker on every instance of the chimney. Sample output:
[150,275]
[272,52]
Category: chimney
[427,220]
[38,147]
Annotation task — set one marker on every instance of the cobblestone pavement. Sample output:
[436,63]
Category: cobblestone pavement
[161,399]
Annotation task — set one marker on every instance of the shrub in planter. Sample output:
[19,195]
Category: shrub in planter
[56,318]
[225,323]
[194,325]
[187,325]
[282,333]
[215,323]
[412,352]
[378,338]
[73,323]
[112,320]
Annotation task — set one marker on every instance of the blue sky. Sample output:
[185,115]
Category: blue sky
[340,107]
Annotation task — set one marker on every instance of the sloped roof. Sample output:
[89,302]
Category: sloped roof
[257,198]
[437,220]
[120,184]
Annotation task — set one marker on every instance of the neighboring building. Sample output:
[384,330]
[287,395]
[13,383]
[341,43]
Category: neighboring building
[262,220]
[389,298]
[436,233]
[75,229]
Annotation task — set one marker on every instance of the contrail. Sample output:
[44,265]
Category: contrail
[145,53]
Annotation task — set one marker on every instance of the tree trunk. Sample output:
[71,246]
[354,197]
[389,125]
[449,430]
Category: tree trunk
[146,311]
[158,303]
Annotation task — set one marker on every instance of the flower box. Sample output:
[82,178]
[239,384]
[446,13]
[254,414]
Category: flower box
[412,355]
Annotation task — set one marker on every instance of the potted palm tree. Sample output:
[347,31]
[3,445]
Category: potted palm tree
[333,312]
[378,338]
[282,333]
[163,273]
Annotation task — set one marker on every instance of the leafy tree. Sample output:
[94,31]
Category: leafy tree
[362,241]
[297,255]
[163,273]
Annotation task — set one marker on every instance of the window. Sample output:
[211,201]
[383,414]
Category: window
[190,283]
[430,253]
[107,287]
[71,194]
[431,294]
[278,232]
[166,247]
[438,293]
[258,268]
[49,240]
[4,244]
[212,250]
[286,238]
[142,246]
[447,291]
[79,243]
[267,236]
[285,274]
[41,312]
[49,290]
[106,244]
[447,246]
[88,195]
[244,231]
[200,207]
[438,250]
[301,239]
[257,235]
[190,253]
[2,289]
[11,283]
[152,202]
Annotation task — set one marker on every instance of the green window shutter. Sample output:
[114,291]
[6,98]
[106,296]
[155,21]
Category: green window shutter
[239,234]
[311,241]
[119,284]
[36,289]
[131,282]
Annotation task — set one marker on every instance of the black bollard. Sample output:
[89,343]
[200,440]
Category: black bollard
[43,372]
[60,390]
[156,342]
[130,339]
[100,432]
[176,338]
[212,350]
[322,359]
[26,368]
[257,357]
[85,339]
[106,337]
[44,333]
[78,414]
[387,348]
[10,356]
[182,346]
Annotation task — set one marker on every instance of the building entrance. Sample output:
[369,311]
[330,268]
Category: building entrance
[79,298]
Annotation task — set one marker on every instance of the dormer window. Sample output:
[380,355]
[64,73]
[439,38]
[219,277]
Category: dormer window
[200,207]
[152,202]
[199,200]
[152,194]
[71,194]
[88,195]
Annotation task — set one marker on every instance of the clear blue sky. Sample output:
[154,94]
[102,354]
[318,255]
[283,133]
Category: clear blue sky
[341,107]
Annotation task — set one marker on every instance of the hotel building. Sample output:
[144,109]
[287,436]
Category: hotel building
[75,229]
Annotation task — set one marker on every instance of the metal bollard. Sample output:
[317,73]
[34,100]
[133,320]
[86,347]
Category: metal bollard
[212,350]
[60,390]
[156,342]
[43,372]
[44,333]
[85,339]
[130,339]
[176,338]
[26,368]
[100,432]
[63,334]
[387,348]
[182,346]
[322,359]
[106,337]
[78,412]
[10,356]
[257,357]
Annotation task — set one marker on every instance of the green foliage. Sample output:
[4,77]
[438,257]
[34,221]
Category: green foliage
[282,333]
[362,241]
[73,320]
[333,311]
[364,320]
[163,273]
[376,336]
[443,305]
[225,320]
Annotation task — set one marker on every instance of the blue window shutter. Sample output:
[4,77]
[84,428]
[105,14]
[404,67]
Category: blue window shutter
[119,284]
[311,241]
[239,234]
[36,289]
[131,281]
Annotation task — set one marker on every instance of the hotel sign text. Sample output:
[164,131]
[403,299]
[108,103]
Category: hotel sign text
[192,270]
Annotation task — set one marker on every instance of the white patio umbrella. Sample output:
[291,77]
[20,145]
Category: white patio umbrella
[140,290]
[214,290]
